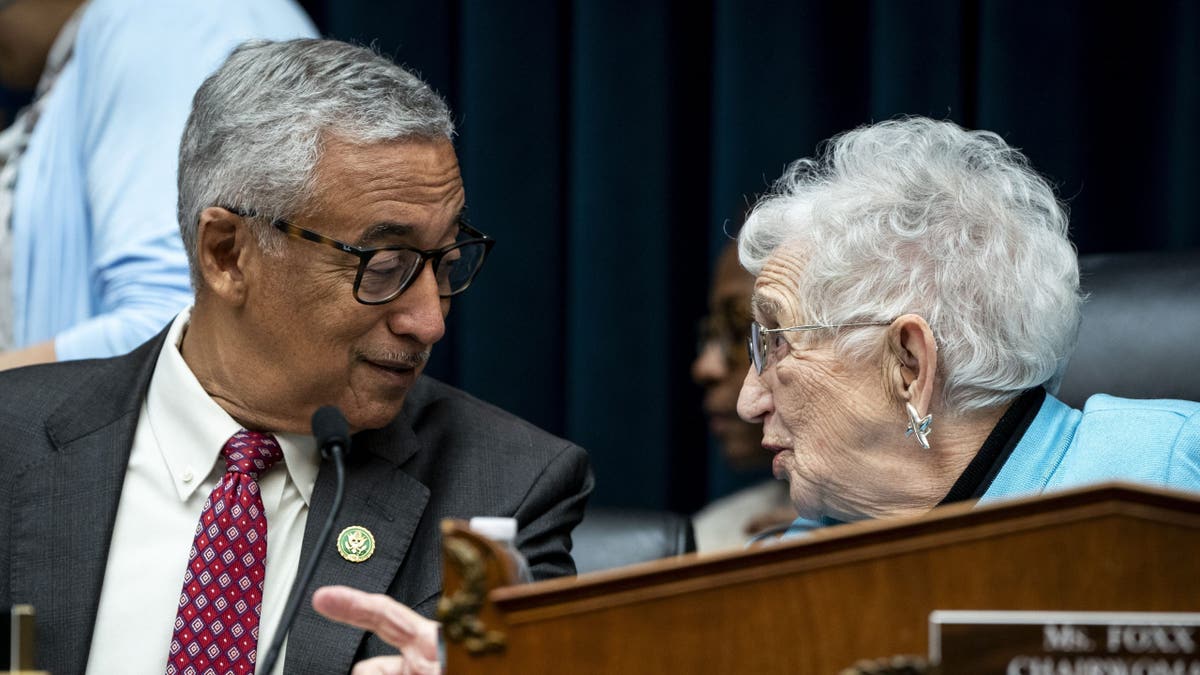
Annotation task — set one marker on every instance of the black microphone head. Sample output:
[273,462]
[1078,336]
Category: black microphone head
[330,427]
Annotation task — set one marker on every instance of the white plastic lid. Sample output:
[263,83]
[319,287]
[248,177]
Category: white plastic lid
[496,529]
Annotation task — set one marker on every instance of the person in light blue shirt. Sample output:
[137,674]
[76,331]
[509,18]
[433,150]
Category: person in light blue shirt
[916,298]
[97,266]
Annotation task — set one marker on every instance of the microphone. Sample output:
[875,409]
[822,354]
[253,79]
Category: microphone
[333,439]
[331,430]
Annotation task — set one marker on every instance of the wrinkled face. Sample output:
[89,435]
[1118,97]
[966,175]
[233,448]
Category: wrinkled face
[361,358]
[826,422]
[721,363]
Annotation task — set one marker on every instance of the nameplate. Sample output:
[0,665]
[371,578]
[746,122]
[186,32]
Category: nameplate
[1065,643]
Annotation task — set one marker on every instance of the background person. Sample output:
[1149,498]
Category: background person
[90,258]
[720,367]
[915,298]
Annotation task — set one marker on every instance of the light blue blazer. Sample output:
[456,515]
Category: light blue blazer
[1156,442]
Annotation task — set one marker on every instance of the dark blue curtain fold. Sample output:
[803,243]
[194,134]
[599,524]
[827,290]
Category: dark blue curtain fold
[611,146]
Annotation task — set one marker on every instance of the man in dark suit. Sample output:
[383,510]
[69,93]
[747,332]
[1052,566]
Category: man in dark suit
[321,208]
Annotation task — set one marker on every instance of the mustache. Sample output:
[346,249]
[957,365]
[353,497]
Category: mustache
[407,359]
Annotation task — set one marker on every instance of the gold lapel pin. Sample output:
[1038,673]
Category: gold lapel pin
[356,543]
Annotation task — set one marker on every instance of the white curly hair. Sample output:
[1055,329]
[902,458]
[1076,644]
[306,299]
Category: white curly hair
[921,216]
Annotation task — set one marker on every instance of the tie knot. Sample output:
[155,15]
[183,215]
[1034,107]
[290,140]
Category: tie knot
[251,453]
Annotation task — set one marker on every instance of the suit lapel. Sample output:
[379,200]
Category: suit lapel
[68,502]
[380,497]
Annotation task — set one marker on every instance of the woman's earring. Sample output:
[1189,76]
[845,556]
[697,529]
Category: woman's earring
[918,425]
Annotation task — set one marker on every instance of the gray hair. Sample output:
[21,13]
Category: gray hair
[920,216]
[259,123]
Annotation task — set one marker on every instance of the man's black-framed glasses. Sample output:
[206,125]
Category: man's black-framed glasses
[386,272]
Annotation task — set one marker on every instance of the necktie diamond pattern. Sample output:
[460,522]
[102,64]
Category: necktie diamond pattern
[216,628]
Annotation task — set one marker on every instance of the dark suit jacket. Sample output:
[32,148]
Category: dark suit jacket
[66,431]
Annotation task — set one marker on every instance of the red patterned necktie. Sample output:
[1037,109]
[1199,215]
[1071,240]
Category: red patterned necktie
[216,629]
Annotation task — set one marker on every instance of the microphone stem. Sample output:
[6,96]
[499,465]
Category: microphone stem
[310,567]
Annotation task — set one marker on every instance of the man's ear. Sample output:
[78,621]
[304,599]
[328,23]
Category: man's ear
[913,365]
[225,246]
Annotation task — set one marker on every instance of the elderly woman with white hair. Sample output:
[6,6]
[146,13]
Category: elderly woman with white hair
[916,299]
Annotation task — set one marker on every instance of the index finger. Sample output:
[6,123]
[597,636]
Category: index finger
[394,623]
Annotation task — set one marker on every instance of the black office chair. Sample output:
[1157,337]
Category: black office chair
[615,537]
[1140,336]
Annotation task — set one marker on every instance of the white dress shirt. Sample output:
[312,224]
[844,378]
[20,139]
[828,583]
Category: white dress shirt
[721,525]
[174,464]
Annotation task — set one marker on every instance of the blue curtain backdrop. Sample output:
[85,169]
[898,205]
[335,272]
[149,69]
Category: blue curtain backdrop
[609,147]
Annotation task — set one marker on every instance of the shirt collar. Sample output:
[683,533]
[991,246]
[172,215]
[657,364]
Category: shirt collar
[190,428]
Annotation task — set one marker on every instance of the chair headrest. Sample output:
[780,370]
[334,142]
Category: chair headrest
[616,537]
[1140,336]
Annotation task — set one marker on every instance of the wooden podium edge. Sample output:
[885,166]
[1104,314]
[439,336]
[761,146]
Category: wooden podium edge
[839,545]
